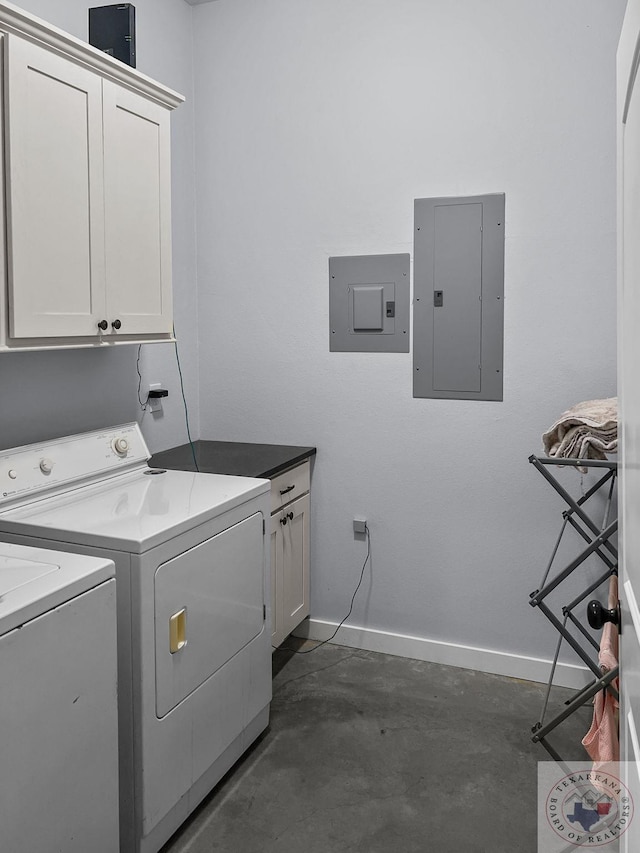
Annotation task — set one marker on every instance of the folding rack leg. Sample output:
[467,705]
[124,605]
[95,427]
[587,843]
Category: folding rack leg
[593,666]
[541,466]
[553,556]
[600,684]
[605,559]
[547,694]
[600,540]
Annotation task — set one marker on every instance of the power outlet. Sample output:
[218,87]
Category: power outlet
[154,404]
[359,526]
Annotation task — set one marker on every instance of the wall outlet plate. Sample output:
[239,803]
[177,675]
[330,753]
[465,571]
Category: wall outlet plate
[154,404]
[360,525]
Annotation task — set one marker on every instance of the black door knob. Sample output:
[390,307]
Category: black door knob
[103,325]
[599,615]
[116,324]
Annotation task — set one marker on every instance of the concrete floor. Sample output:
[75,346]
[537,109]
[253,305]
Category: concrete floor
[371,753]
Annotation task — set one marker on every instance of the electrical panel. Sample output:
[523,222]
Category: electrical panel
[369,303]
[459,297]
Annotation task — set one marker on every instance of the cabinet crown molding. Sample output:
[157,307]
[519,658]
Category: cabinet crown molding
[17,21]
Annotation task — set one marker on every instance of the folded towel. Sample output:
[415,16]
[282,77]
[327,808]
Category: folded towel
[589,430]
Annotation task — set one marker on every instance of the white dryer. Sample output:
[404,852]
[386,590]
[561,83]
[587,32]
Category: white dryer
[58,703]
[192,575]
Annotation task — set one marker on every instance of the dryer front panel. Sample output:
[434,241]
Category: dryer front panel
[209,603]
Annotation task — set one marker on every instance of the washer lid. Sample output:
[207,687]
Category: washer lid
[16,572]
[34,580]
[133,511]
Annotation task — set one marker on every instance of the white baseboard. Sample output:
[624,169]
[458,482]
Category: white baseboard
[451,654]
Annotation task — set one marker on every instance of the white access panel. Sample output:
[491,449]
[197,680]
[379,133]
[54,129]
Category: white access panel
[58,711]
[209,604]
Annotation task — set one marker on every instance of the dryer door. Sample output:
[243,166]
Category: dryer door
[208,605]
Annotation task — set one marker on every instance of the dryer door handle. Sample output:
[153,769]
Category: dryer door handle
[178,631]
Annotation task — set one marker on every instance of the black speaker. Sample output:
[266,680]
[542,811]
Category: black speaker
[113,30]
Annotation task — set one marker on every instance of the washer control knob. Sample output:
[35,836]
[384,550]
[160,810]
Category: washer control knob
[46,466]
[12,474]
[120,445]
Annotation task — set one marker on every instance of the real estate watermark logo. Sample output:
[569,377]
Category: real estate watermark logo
[582,806]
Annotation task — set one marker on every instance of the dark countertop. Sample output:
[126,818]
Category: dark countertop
[233,457]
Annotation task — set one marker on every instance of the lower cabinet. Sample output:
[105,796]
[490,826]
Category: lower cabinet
[289,554]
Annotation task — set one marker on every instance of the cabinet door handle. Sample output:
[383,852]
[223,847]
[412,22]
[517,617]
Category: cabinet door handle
[103,325]
[288,489]
[283,520]
[116,324]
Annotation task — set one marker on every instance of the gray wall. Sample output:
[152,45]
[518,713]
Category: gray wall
[317,124]
[43,395]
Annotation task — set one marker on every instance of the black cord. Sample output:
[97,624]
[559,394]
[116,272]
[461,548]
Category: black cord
[143,405]
[353,598]
[184,400]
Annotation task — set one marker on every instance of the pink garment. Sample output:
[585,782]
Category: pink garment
[601,741]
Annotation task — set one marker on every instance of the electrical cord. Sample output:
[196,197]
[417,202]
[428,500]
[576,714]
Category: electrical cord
[353,598]
[184,400]
[143,405]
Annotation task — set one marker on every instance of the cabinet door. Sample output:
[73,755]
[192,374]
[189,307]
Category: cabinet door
[137,167]
[295,564]
[55,207]
[277,633]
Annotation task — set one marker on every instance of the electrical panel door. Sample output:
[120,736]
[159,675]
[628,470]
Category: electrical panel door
[458,297]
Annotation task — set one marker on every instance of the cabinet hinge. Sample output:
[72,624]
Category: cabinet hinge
[264,526]
[264,612]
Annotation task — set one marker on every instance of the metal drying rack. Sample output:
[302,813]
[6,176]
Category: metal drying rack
[570,627]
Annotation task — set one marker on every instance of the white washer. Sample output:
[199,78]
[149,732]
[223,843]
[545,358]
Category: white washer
[58,702]
[192,574]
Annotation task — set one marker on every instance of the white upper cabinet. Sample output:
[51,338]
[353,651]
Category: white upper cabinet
[87,194]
